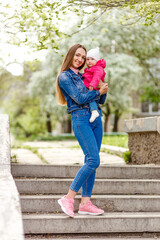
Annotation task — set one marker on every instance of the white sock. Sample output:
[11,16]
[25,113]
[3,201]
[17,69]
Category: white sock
[94,115]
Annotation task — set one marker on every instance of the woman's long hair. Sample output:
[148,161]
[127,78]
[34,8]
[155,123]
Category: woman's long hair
[65,66]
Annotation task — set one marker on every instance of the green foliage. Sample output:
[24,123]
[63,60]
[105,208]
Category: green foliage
[151,88]
[26,117]
[127,156]
[125,49]
[128,50]
[123,80]
[39,23]
[32,121]
[6,81]
[42,86]
[151,92]
[42,83]
[14,159]
[145,11]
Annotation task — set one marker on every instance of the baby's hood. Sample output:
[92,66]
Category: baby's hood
[101,63]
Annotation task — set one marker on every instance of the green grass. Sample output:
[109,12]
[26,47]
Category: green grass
[46,137]
[35,151]
[119,141]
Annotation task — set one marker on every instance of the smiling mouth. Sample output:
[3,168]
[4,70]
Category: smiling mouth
[78,63]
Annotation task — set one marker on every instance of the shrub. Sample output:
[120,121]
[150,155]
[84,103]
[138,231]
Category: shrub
[127,156]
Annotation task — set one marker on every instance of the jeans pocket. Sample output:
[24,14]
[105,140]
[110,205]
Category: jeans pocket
[83,112]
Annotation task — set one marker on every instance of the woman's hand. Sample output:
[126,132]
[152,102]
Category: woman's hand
[90,88]
[103,89]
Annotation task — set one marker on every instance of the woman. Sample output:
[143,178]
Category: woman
[72,91]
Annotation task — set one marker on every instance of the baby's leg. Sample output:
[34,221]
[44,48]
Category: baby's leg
[94,111]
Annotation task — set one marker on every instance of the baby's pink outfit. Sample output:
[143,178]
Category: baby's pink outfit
[93,75]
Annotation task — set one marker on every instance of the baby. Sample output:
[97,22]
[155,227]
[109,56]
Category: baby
[93,74]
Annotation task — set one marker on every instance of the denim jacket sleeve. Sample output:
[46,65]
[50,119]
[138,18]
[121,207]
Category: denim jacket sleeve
[102,98]
[66,83]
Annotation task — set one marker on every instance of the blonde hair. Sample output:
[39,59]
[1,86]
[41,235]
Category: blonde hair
[65,66]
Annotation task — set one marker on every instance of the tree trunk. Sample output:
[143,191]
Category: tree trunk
[106,116]
[116,120]
[48,123]
[68,126]
[106,123]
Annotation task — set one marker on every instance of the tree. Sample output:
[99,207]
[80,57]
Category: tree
[147,11]
[42,86]
[140,42]
[124,78]
[26,118]
[6,80]
[151,89]
[43,82]
[126,50]
[39,24]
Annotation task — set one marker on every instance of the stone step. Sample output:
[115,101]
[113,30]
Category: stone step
[93,237]
[109,203]
[102,186]
[69,171]
[106,223]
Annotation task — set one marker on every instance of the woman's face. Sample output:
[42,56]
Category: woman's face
[79,58]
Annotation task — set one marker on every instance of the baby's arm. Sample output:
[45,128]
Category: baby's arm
[96,77]
[100,84]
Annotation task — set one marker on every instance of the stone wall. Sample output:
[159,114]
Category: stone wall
[144,140]
[144,147]
[4,144]
[11,227]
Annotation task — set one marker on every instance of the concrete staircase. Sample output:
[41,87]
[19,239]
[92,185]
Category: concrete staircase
[130,196]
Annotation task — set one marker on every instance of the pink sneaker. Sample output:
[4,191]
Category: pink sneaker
[90,209]
[67,205]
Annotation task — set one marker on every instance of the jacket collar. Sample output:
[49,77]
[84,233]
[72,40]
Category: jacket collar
[73,73]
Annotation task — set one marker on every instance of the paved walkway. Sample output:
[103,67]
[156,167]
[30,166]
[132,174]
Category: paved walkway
[59,152]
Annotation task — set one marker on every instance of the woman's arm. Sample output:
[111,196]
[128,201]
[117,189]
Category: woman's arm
[65,82]
[102,98]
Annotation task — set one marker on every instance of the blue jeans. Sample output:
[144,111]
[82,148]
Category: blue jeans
[89,136]
[93,106]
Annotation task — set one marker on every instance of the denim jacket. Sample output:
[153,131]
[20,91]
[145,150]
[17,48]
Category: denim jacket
[75,92]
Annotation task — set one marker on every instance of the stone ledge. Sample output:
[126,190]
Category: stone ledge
[11,227]
[4,168]
[4,141]
[144,140]
[10,212]
[150,124]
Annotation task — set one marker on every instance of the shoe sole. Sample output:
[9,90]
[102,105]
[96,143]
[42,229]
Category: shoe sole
[63,209]
[89,213]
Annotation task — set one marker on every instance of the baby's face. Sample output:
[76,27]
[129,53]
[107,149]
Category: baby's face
[90,62]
